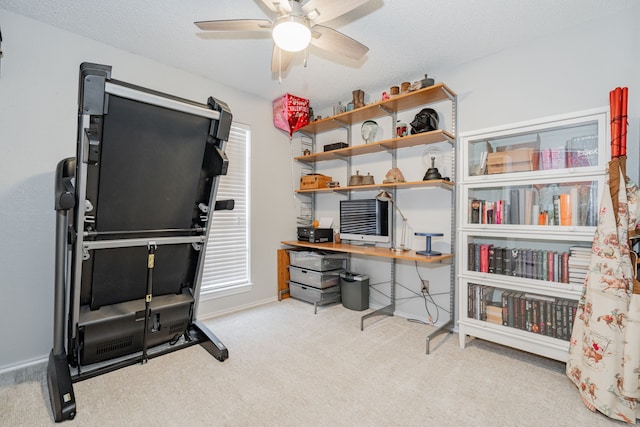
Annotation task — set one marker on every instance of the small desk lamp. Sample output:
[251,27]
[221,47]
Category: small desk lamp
[386,197]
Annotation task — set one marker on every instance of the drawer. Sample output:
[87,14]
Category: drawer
[311,294]
[317,279]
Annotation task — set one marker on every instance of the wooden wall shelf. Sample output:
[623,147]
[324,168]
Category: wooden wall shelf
[436,93]
[436,183]
[381,146]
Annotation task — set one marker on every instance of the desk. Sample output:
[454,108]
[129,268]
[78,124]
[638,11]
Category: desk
[374,251]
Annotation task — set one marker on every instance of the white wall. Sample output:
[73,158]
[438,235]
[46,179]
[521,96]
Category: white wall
[38,115]
[570,71]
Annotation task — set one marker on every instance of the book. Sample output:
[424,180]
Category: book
[542,324]
[498,260]
[507,270]
[573,196]
[556,210]
[515,262]
[522,206]
[528,206]
[550,265]
[507,312]
[475,211]
[484,257]
[565,209]
[494,314]
[549,318]
[582,151]
[471,256]
[514,211]
[492,260]
[564,267]
[476,256]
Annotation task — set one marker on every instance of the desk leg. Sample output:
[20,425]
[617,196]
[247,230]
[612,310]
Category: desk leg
[384,311]
[447,327]
[391,308]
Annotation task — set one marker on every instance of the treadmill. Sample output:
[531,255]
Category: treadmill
[133,212]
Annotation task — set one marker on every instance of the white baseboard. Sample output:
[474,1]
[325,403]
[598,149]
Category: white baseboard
[24,364]
[210,315]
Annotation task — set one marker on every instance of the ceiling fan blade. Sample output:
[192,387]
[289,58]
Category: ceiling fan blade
[280,59]
[334,41]
[319,11]
[235,25]
[277,5]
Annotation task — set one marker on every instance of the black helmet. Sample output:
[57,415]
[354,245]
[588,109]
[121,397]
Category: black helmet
[425,121]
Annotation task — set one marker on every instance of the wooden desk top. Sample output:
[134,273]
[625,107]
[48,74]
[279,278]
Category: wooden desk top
[372,251]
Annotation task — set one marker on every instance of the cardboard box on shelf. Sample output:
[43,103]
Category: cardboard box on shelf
[518,160]
[314,181]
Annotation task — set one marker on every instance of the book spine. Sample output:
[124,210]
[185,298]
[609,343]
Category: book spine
[565,268]
[550,318]
[498,260]
[535,314]
[542,325]
[512,309]
[565,209]
[573,197]
[484,258]
[475,211]
[506,262]
[505,308]
[471,256]
[492,260]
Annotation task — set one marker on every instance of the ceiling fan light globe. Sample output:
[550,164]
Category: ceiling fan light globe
[291,33]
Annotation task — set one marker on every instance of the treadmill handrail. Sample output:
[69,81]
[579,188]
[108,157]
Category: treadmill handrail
[119,89]
[65,192]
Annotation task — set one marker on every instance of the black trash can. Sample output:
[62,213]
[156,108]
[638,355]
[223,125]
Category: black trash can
[355,290]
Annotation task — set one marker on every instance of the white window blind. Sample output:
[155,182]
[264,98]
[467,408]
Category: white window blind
[226,264]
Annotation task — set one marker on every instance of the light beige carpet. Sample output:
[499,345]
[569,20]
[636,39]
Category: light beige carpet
[289,367]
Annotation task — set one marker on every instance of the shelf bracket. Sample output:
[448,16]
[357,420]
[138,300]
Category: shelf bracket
[449,94]
[342,157]
[342,124]
[387,110]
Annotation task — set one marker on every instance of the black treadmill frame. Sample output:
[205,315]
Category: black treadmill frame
[77,239]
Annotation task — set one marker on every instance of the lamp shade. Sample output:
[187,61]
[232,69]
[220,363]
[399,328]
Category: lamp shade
[291,33]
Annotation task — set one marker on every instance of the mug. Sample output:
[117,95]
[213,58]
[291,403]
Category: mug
[401,129]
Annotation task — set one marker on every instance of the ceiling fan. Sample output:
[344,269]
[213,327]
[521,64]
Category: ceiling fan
[297,25]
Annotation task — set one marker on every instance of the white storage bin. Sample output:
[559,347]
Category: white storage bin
[311,294]
[318,261]
[317,279]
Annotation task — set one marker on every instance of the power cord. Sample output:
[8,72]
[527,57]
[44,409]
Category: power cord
[424,294]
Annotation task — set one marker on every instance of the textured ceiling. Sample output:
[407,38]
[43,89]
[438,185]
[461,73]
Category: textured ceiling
[406,38]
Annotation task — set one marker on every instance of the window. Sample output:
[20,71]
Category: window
[226,263]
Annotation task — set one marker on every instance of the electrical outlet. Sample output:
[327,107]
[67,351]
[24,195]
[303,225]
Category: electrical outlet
[425,286]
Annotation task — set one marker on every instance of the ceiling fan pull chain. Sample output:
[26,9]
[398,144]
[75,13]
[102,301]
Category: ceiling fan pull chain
[279,66]
[306,55]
